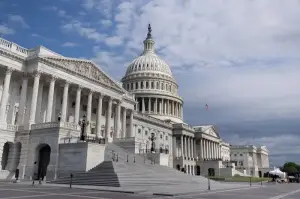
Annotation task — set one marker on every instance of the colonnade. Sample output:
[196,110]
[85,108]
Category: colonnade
[210,149]
[36,104]
[188,147]
[159,106]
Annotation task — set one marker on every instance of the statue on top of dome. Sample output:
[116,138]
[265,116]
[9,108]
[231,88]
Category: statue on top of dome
[149,36]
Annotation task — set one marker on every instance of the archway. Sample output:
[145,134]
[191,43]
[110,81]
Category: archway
[198,170]
[178,167]
[5,153]
[260,174]
[43,152]
[211,172]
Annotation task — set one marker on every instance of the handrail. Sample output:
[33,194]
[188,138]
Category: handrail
[91,139]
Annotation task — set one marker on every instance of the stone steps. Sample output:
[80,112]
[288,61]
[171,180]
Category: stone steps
[129,174]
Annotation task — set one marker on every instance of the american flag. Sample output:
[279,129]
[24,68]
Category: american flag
[206,106]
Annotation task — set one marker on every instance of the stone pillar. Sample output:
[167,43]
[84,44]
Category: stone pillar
[99,113]
[155,106]
[182,152]
[89,112]
[181,109]
[65,102]
[143,105]
[132,133]
[124,123]
[192,146]
[201,148]
[185,147]
[108,120]
[118,120]
[160,106]
[50,99]
[23,98]
[77,105]
[195,148]
[149,104]
[4,96]
[173,108]
[165,107]
[205,148]
[35,89]
[39,102]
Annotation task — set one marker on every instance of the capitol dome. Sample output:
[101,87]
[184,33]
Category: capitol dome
[150,79]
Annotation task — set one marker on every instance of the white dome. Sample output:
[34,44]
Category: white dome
[150,79]
[148,62]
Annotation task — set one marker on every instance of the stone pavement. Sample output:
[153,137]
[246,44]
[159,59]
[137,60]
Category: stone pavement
[20,191]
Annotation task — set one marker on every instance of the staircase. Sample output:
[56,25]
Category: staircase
[137,172]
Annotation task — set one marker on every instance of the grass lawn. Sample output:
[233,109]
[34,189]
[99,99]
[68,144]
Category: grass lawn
[239,179]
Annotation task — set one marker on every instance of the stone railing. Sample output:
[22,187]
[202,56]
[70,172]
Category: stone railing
[151,119]
[13,47]
[66,125]
[10,127]
[184,126]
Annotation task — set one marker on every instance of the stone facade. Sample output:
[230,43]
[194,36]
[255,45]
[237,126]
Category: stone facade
[251,159]
[45,97]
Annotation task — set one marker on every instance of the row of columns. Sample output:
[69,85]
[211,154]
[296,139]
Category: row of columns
[188,146]
[150,85]
[210,149]
[34,100]
[159,106]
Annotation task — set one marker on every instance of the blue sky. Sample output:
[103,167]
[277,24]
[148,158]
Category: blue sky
[240,57]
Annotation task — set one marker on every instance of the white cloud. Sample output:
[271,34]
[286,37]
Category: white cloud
[4,30]
[113,41]
[238,54]
[18,19]
[69,44]
[89,33]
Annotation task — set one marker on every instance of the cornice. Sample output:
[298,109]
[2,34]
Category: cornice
[151,120]
[12,56]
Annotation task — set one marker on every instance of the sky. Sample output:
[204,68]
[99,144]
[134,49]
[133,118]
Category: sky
[241,57]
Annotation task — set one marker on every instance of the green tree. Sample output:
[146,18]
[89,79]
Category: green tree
[291,167]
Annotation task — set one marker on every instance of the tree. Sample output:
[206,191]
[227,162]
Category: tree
[291,167]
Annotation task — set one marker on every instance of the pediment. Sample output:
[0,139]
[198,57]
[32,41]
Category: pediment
[85,68]
[208,130]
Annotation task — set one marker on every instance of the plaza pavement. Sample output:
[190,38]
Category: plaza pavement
[23,190]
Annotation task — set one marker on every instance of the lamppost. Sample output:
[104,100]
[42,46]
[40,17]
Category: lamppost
[152,138]
[82,124]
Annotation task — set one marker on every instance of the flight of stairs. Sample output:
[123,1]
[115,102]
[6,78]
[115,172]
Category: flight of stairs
[137,172]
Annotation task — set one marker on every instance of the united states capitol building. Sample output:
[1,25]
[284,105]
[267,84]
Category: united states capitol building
[49,102]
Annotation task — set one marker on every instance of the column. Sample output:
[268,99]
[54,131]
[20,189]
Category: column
[35,89]
[132,133]
[189,145]
[155,107]
[195,149]
[89,112]
[185,147]
[39,119]
[182,152]
[160,107]
[77,104]
[108,119]
[165,107]
[143,105]
[181,110]
[4,96]
[50,99]
[192,146]
[124,123]
[201,148]
[149,105]
[118,120]
[65,102]
[173,109]
[99,113]
[205,149]
[23,99]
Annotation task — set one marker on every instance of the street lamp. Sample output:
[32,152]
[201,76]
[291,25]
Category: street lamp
[152,138]
[82,124]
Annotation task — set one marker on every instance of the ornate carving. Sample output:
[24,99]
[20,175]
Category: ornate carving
[9,70]
[84,68]
[53,78]
[37,73]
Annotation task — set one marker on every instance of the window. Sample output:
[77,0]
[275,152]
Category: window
[139,131]
[146,132]
[147,84]
[235,155]
[241,163]
[241,154]
[166,137]
[152,85]
[142,85]
[131,86]
[136,85]
[94,111]
[161,136]
[84,107]
[73,104]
